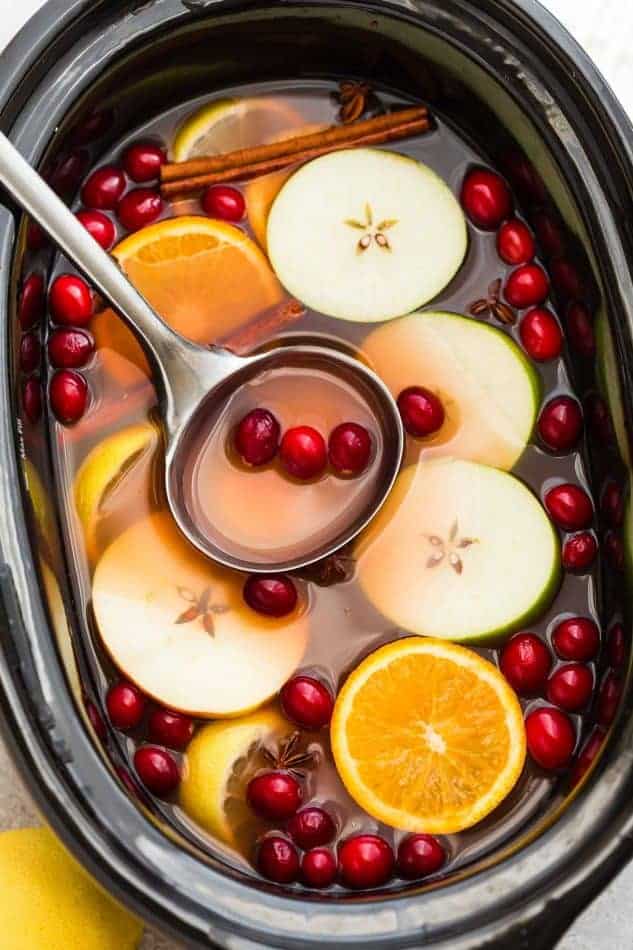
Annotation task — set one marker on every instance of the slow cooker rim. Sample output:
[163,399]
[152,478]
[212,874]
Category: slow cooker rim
[24,51]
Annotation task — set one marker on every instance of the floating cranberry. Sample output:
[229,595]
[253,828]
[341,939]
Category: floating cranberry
[68,393]
[569,506]
[303,452]
[349,448]
[311,827]
[566,279]
[99,226]
[32,399]
[523,175]
[612,504]
[579,551]
[486,198]
[600,423]
[418,856]
[273,595]
[548,232]
[69,349]
[515,242]
[616,646]
[274,795]
[67,174]
[277,860]
[157,770]
[93,126]
[172,729]
[525,663]
[319,868]
[126,706]
[224,202]
[608,699]
[35,236]
[541,334]
[365,861]
[614,550]
[30,351]
[32,301]
[96,719]
[307,702]
[70,301]
[257,437]
[587,755]
[560,423]
[527,286]
[143,161]
[550,737]
[580,330]
[570,687]
[577,638]
[139,208]
[421,411]
[104,188]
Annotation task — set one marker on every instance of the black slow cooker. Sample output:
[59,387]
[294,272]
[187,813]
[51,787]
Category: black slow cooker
[510,78]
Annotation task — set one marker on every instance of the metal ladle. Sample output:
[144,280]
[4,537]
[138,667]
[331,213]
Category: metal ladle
[191,379]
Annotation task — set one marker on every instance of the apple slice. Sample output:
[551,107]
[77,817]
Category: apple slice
[608,376]
[177,626]
[365,234]
[489,390]
[460,551]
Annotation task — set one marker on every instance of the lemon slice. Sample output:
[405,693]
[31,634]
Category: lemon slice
[219,764]
[103,469]
[228,124]
[427,736]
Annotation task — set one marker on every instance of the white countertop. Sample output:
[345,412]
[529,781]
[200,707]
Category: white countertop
[605,29]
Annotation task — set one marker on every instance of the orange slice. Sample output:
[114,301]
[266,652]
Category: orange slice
[427,736]
[204,277]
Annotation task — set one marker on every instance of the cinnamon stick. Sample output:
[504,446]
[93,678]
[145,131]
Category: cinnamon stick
[247,338]
[189,177]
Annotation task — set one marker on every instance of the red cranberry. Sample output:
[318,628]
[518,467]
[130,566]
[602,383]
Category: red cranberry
[157,770]
[550,737]
[579,551]
[126,706]
[99,226]
[614,550]
[349,448]
[580,330]
[365,861]
[418,856]
[486,198]
[67,174]
[612,504]
[93,126]
[274,795]
[35,236]
[311,827]
[277,860]
[303,452]
[68,393]
[566,279]
[32,301]
[318,868]
[525,663]
[599,418]
[527,286]
[307,701]
[30,351]
[225,202]
[169,728]
[570,687]
[142,162]
[569,506]
[560,423]
[608,699]
[69,349]
[32,399]
[587,754]
[421,410]
[577,638]
[515,242]
[541,334]
[548,232]
[523,175]
[70,301]
[104,188]
[616,645]
[139,208]
[96,720]
[273,595]
[257,437]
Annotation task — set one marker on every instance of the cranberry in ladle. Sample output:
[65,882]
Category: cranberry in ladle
[486,198]
[104,188]
[69,349]
[138,208]
[570,687]
[311,827]
[125,704]
[576,638]
[365,861]
[303,452]
[541,334]
[349,448]
[68,393]
[272,595]
[143,161]
[421,411]
[274,795]
[525,663]
[224,202]
[257,437]
[550,737]
[515,242]
[70,301]
[307,702]
[579,551]
[527,286]
[569,506]
[157,770]
[418,856]
[319,868]
[278,860]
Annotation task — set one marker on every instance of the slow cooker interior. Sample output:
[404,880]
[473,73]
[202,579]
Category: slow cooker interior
[489,97]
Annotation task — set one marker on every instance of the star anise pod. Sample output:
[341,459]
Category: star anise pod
[288,757]
[491,305]
[335,569]
[353,97]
